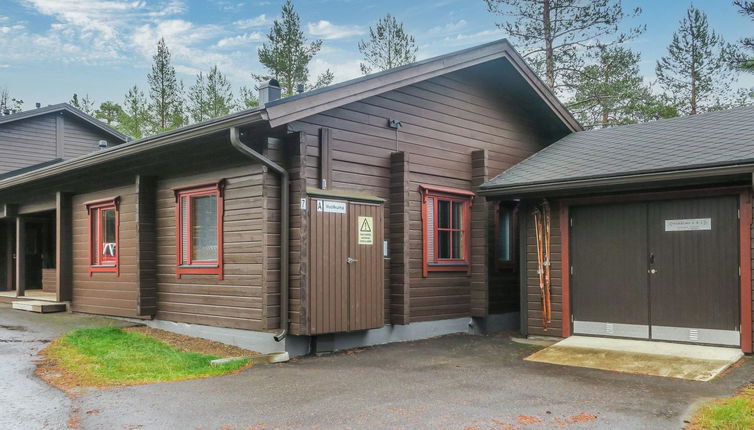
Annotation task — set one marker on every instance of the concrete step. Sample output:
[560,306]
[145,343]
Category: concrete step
[39,306]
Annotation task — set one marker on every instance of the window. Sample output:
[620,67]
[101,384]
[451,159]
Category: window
[446,217]
[199,229]
[506,235]
[104,217]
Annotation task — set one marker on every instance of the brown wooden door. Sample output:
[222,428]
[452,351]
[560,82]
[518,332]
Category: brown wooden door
[346,291]
[609,279]
[693,265]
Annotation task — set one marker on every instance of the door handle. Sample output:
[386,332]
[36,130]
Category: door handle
[350,260]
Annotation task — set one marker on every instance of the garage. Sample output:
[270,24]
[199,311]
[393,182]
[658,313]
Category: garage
[647,233]
[660,270]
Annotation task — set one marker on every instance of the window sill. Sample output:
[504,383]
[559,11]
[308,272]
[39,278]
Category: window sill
[199,269]
[104,268]
[449,267]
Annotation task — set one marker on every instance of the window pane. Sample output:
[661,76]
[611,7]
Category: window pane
[457,215]
[443,214]
[457,245]
[443,244]
[204,228]
[504,240]
[107,218]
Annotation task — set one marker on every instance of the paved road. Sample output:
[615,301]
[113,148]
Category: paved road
[453,382]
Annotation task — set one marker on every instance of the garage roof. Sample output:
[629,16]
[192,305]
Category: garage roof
[705,140]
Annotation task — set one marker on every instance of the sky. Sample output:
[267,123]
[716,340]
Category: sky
[50,49]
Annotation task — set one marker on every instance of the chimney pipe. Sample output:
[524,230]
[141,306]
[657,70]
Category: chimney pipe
[300,88]
[102,144]
[38,105]
[269,91]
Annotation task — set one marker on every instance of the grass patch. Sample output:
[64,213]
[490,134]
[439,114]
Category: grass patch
[109,356]
[733,413]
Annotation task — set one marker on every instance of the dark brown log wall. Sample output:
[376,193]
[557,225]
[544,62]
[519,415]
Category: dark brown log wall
[444,120]
[235,301]
[105,293]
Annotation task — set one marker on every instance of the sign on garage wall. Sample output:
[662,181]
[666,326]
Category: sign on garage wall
[331,206]
[693,224]
[366,230]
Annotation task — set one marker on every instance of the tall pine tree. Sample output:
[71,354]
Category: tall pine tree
[84,104]
[287,53]
[746,59]
[697,70]
[109,112]
[165,92]
[135,120]
[388,46]
[554,35]
[247,98]
[211,96]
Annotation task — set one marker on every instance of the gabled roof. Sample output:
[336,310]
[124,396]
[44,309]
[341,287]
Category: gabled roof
[290,109]
[283,111]
[64,107]
[714,139]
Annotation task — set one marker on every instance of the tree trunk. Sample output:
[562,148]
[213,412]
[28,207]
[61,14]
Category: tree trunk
[549,57]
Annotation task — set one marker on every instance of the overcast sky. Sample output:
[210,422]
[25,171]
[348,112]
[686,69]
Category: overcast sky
[50,49]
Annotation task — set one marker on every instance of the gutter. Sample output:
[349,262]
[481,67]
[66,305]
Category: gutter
[595,182]
[235,141]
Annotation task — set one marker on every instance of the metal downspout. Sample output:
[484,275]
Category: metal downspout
[235,141]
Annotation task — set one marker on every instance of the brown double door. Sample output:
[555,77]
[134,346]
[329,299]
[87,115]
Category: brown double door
[664,270]
[346,275]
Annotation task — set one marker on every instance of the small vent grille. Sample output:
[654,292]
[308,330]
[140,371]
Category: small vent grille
[694,335]
[609,328]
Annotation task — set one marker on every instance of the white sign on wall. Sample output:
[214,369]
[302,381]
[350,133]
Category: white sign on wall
[694,224]
[331,206]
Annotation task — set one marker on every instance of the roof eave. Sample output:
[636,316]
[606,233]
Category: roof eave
[129,149]
[622,180]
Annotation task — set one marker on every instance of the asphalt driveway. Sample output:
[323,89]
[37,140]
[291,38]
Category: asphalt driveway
[454,382]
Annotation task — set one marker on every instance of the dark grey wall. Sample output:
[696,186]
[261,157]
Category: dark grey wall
[40,139]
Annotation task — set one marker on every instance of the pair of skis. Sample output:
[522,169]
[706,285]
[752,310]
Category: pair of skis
[542,229]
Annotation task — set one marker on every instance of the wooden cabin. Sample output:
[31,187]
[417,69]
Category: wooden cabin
[337,217]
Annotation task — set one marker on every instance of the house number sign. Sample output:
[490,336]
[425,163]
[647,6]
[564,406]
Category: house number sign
[694,224]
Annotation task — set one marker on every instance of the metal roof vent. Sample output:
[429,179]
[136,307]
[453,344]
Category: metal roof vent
[102,144]
[300,88]
[269,91]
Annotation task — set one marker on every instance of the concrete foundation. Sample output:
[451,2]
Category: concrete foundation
[263,342]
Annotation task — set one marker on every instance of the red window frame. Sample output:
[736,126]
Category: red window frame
[213,267]
[430,197]
[98,263]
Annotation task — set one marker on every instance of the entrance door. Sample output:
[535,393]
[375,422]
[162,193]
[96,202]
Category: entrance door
[346,275]
[610,291]
[665,270]
[693,259]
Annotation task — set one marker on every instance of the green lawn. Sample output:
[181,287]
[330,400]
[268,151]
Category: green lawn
[733,413]
[110,356]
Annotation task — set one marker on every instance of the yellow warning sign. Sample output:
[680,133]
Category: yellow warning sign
[366,235]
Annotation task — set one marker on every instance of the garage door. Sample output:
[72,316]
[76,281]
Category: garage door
[664,270]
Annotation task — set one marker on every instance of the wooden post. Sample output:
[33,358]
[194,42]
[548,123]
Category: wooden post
[10,250]
[146,244]
[480,249]
[63,246]
[325,158]
[399,226]
[20,256]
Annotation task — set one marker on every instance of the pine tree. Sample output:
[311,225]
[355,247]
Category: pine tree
[9,104]
[84,104]
[165,92]
[211,96]
[388,46]
[109,112]
[611,90]
[746,60]
[287,53]
[247,98]
[556,34]
[135,120]
[697,69]
[197,100]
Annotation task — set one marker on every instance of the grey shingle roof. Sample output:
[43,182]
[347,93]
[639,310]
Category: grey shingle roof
[709,139]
